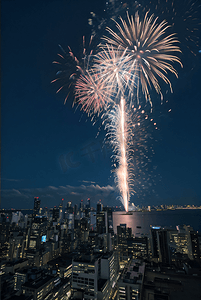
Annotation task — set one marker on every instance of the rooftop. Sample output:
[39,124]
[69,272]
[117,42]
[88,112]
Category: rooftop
[36,284]
[61,261]
[16,262]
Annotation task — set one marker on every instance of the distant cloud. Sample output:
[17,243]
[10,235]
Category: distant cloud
[85,181]
[17,192]
[13,180]
[53,187]
[52,195]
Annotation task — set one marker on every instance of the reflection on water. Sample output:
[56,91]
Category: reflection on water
[140,221]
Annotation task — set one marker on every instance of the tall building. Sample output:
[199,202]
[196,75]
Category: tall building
[123,234]
[160,244]
[81,206]
[192,243]
[55,214]
[88,206]
[109,219]
[94,276]
[36,206]
[75,209]
[99,207]
[69,207]
[36,239]
[109,267]
[137,247]
[131,280]
[101,222]
[61,210]
[16,246]
[178,242]
[39,288]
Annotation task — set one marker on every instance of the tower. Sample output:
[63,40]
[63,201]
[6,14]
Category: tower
[160,244]
[36,206]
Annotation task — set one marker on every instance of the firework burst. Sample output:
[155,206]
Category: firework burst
[151,53]
[70,67]
[91,93]
[113,66]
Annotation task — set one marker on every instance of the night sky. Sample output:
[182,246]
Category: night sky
[51,150]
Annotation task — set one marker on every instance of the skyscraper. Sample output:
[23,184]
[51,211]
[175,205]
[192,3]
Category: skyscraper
[160,244]
[99,207]
[36,206]
[88,203]
[192,243]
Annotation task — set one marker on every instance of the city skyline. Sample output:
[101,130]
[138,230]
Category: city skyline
[79,252]
[50,149]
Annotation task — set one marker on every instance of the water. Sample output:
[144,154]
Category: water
[168,218]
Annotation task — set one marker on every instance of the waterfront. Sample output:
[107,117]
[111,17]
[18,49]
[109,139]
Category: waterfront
[140,221]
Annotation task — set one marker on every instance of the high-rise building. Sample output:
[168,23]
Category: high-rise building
[88,206]
[61,210]
[36,238]
[55,214]
[123,234]
[16,246]
[160,244]
[192,243]
[101,222]
[99,207]
[40,287]
[81,206]
[94,276]
[69,207]
[36,206]
[85,273]
[130,282]
[109,219]
[137,247]
[75,209]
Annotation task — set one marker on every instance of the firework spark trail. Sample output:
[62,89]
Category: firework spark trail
[122,171]
[119,134]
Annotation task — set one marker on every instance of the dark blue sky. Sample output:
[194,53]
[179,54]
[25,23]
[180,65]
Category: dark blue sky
[49,149]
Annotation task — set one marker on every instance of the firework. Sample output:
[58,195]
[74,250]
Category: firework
[150,52]
[91,93]
[132,60]
[130,135]
[184,19]
[70,67]
[119,134]
[113,66]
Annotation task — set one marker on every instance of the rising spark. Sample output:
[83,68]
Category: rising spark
[119,133]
